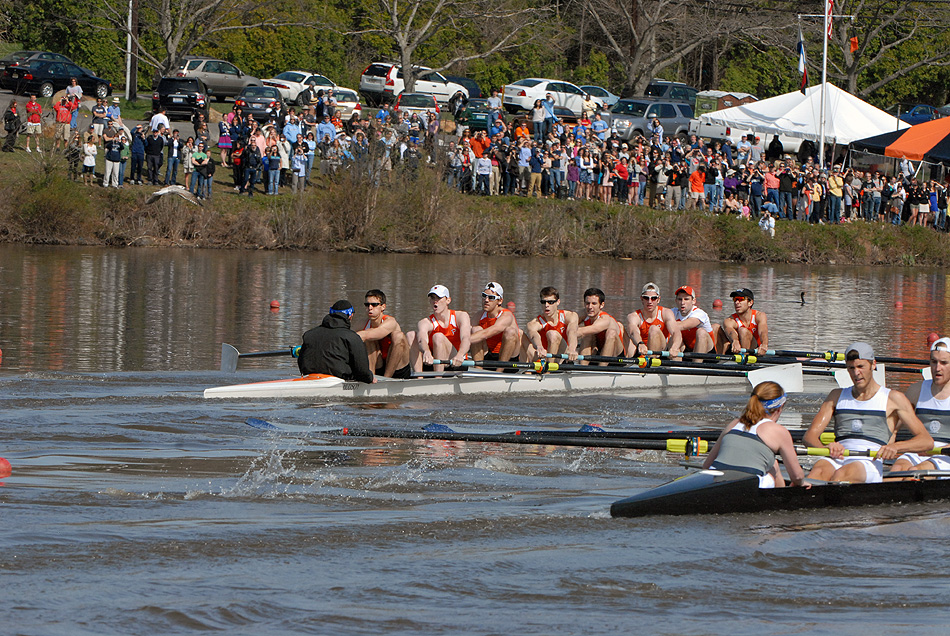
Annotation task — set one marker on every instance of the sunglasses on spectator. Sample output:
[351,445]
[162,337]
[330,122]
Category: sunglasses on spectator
[368,304]
[652,299]
[490,296]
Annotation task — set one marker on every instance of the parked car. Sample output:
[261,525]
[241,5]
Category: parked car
[474,91]
[181,96]
[292,84]
[674,91]
[221,78]
[262,102]
[347,102]
[383,82]
[46,77]
[631,117]
[607,98]
[914,113]
[418,103]
[476,115]
[521,95]
[567,117]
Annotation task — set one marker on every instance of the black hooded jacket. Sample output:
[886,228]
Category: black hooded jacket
[333,349]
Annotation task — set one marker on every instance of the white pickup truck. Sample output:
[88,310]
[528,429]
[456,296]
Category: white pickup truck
[718,132]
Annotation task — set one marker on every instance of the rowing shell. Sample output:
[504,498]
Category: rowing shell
[725,491]
[467,383]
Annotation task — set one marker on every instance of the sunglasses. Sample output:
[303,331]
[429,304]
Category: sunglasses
[490,296]
[372,304]
[738,299]
[545,301]
[652,299]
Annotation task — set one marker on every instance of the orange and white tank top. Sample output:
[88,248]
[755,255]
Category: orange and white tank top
[384,343]
[560,326]
[486,321]
[450,331]
[752,326]
[657,321]
[602,336]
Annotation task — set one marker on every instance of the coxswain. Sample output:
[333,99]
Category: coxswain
[932,405]
[334,349]
[866,417]
[698,334]
[652,328]
[497,336]
[747,328]
[553,331]
[600,333]
[750,443]
[386,345]
[444,335]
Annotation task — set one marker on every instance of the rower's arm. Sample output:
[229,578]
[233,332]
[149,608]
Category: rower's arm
[387,328]
[503,322]
[571,318]
[601,324]
[533,331]
[732,333]
[920,442]
[789,456]
[634,340]
[465,336]
[763,323]
[812,436]
[423,329]
[676,337]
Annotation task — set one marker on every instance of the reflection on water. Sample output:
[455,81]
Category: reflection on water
[99,309]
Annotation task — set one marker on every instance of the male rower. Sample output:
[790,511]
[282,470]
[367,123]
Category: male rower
[444,333]
[746,327]
[931,400]
[554,330]
[698,334]
[652,328]
[386,345]
[866,417]
[333,349]
[600,333]
[497,336]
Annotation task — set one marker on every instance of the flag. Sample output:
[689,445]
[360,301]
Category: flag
[854,44]
[802,66]
[830,9]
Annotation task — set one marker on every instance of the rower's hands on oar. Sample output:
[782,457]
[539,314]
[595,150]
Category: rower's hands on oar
[572,355]
[835,450]
[644,351]
[427,357]
[887,452]
[457,360]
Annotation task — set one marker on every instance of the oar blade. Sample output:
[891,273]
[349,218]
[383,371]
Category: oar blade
[787,376]
[229,358]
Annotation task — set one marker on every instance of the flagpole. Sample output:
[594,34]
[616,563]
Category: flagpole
[824,81]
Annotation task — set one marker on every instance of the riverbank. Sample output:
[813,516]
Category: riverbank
[422,215]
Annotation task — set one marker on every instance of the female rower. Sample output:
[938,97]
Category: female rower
[750,443]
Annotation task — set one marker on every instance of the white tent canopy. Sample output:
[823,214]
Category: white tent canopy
[846,117]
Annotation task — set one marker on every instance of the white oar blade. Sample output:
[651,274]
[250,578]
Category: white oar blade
[844,379]
[229,358]
[787,376]
[926,373]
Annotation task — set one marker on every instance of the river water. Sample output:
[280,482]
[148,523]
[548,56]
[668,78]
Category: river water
[137,507]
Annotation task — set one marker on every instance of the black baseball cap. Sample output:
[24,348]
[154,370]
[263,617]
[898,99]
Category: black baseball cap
[745,292]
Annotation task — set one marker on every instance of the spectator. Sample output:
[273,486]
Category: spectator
[175,145]
[74,94]
[89,152]
[159,120]
[138,155]
[113,147]
[154,149]
[64,113]
[11,124]
[34,122]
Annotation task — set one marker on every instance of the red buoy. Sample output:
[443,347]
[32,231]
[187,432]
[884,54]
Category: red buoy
[274,304]
[932,337]
[511,305]
[5,468]
[717,304]
[899,304]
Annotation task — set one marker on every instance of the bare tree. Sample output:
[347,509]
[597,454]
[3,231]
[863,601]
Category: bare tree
[182,25]
[483,27]
[648,36]
[887,31]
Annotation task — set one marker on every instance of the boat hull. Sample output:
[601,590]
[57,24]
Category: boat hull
[469,383]
[725,492]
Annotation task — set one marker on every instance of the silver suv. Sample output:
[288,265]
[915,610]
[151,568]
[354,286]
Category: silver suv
[223,79]
[631,117]
[382,82]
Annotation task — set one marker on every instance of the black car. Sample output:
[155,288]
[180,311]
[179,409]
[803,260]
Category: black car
[263,102]
[46,77]
[183,96]
[473,90]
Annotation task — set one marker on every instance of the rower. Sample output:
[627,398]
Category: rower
[600,334]
[497,336]
[932,405]
[652,328]
[333,349]
[386,345]
[749,444]
[746,326]
[443,333]
[866,417]
[554,330]
[698,334]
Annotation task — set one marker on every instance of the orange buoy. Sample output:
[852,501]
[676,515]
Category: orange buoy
[932,337]
[717,304]
[899,304]
[510,306]
[5,468]
[274,304]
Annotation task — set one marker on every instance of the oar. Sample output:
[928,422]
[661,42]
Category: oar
[745,358]
[644,362]
[230,355]
[834,356]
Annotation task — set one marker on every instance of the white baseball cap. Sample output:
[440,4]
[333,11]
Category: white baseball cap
[495,288]
[439,290]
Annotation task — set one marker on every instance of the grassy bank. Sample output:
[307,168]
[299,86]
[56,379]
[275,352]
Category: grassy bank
[346,214]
